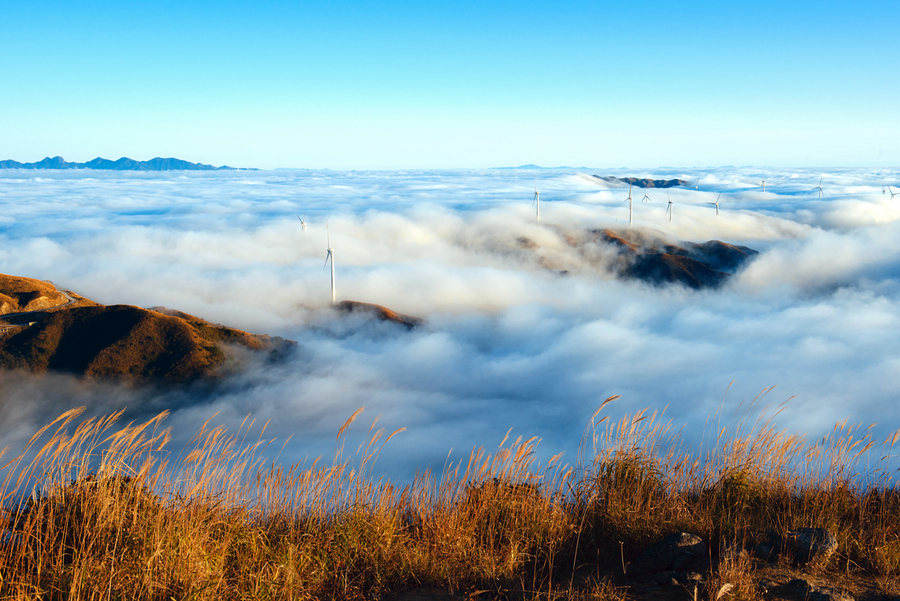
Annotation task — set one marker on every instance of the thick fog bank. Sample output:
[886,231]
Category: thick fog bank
[525,325]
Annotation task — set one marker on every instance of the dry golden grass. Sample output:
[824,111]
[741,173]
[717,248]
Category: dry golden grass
[97,510]
[27,294]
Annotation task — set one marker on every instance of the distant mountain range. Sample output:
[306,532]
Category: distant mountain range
[123,164]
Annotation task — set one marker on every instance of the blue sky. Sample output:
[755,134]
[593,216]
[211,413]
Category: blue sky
[374,85]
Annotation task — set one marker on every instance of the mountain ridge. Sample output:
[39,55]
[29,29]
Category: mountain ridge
[122,164]
[645,182]
[118,342]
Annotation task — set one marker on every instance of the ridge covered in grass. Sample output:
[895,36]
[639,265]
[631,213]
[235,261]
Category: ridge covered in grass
[119,342]
[26,294]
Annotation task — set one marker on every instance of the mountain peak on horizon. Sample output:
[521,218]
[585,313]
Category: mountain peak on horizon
[122,164]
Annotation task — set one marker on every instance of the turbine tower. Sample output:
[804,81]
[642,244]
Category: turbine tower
[302,223]
[764,185]
[330,256]
[537,200]
[716,203]
[629,201]
[669,208]
[819,187]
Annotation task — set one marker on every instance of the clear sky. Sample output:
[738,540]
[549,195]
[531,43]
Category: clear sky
[380,85]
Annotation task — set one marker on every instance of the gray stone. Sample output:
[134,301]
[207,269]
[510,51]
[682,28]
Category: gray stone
[807,545]
[675,552]
[804,545]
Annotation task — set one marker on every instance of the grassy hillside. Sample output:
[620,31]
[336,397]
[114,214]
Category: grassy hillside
[26,294]
[650,259]
[119,341]
[114,517]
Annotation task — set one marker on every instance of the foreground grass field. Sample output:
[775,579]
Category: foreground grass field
[109,515]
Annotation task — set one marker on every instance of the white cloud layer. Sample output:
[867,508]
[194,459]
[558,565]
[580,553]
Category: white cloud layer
[508,342]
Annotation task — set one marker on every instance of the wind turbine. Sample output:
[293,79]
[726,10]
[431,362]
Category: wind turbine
[819,187]
[302,223]
[646,197]
[893,194]
[669,208]
[629,201]
[716,203]
[537,200]
[764,185]
[328,256]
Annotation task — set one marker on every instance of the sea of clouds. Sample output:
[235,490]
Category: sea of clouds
[507,341]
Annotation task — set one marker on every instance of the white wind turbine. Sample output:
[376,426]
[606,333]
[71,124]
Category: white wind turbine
[669,208]
[537,200]
[764,185]
[893,194]
[302,223]
[328,256]
[646,197]
[629,201]
[716,203]
[819,188]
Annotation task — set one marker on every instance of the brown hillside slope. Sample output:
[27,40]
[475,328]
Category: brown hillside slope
[123,342]
[379,312]
[646,182]
[653,260]
[26,294]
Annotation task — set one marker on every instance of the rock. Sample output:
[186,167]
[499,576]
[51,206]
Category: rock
[803,546]
[674,552]
[672,577]
[811,592]
[800,589]
[766,552]
[664,577]
[827,593]
[799,583]
[808,545]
